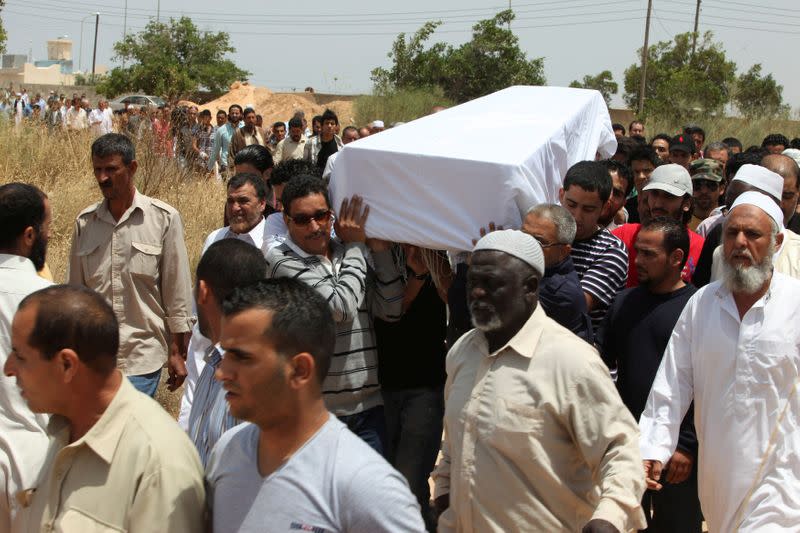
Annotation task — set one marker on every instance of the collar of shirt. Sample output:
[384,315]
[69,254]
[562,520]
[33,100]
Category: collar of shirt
[255,235]
[729,304]
[524,341]
[17,262]
[336,255]
[139,202]
[563,267]
[104,435]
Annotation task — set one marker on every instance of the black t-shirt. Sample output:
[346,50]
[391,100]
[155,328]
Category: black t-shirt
[411,352]
[633,338]
[326,149]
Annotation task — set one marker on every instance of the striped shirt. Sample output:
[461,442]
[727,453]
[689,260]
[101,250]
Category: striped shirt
[601,262]
[210,416]
[355,292]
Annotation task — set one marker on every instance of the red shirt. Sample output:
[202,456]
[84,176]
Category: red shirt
[627,233]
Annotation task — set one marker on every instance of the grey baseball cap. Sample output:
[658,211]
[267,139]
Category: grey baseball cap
[670,178]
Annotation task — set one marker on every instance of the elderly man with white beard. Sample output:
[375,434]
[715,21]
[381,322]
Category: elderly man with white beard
[736,353]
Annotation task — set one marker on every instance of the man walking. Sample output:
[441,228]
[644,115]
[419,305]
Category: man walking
[130,249]
[24,231]
[117,461]
[632,341]
[536,436]
[222,140]
[319,148]
[294,466]
[293,146]
[731,351]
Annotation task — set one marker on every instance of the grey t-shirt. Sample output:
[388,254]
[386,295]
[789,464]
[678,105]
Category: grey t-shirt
[333,483]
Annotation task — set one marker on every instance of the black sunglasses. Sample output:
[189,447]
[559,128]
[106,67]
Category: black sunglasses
[712,186]
[320,217]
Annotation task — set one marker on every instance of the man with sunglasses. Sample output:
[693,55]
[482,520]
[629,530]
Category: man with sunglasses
[358,278]
[560,291]
[708,187]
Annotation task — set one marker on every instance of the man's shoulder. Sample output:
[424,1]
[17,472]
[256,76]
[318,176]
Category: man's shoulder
[158,204]
[84,215]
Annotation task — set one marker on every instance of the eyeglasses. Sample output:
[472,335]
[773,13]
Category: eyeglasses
[712,186]
[320,217]
[544,244]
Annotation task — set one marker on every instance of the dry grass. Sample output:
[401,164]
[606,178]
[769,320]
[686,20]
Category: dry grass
[61,166]
[749,132]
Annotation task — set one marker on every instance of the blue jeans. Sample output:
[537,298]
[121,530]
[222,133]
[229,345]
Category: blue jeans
[369,425]
[414,437]
[146,383]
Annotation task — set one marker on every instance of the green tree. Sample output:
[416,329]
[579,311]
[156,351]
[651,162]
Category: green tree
[603,82]
[759,96]
[490,61]
[680,85]
[3,34]
[173,60]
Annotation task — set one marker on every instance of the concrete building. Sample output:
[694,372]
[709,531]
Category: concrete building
[57,69]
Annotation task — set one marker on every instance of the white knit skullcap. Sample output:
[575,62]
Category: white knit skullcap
[763,202]
[377,124]
[762,178]
[516,243]
[794,153]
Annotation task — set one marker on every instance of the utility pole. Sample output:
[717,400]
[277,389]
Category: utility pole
[158,11]
[509,8]
[644,56]
[696,23]
[94,53]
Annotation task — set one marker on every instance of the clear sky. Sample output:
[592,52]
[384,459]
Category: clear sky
[333,45]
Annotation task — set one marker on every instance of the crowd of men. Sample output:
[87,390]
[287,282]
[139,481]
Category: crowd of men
[623,361]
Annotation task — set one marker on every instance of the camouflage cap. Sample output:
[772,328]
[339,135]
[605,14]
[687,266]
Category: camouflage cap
[706,169]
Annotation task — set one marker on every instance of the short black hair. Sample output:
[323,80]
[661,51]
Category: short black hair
[775,139]
[289,168]
[623,171]
[348,128]
[114,144]
[222,112]
[625,145]
[732,142]
[256,155]
[317,118]
[329,115]
[75,317]
[662,136]
[230,263]
[590,176]
[301,319]
[630,126]
[302,186]
[236,106]
[279,124]
[295,122]
[204,113]
[676,236]
[644,153]
[691,129]
[255,180]
[794,143]
[736,161]
[248,111]
[640,139]
[617,126]
[21,206]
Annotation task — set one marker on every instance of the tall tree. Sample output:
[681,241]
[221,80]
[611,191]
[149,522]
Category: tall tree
[172,59]
[490,61]
[603,82]
[680,85]
[757,95]
[3,34]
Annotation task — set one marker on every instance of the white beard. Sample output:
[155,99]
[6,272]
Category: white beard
[748,279]
[492,324]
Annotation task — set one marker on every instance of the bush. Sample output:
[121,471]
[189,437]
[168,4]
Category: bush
[402,105]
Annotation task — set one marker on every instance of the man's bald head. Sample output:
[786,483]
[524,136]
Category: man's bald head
[787,168]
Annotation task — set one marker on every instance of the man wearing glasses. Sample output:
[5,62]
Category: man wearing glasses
[359,279]
[560,291]
[708,188]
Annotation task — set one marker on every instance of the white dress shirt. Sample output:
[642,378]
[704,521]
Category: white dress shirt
[741,374]
[199,345]
[23,441]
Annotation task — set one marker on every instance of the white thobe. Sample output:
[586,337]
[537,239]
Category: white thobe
[200,344]
[23,440]
[741,374]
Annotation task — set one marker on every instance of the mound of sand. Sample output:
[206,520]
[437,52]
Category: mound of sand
[278,106]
